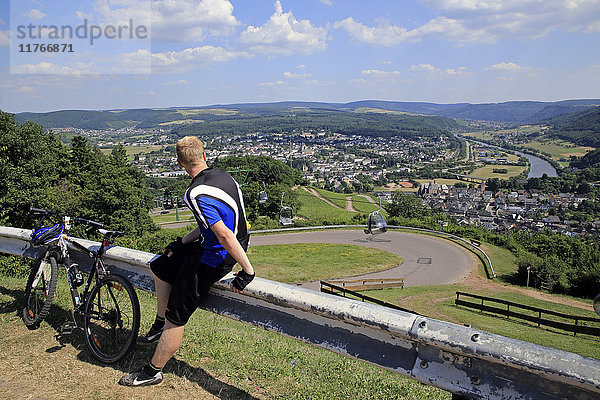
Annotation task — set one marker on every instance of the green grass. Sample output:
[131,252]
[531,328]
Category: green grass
[438,302]
[238,357]
[487,171]
[318,261]
[172,217]
[314,209]
[363,205]
[321,209]
[227,358]
[503,261]
[339,199]
[558,149]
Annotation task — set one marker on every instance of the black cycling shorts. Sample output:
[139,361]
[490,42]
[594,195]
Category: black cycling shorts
[190,278]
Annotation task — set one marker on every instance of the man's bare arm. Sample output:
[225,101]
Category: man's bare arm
[230,243]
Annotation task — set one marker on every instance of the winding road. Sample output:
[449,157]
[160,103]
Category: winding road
[426,260]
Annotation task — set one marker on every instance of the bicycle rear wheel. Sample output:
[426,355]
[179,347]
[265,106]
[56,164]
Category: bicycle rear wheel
[40,290]
[111,318]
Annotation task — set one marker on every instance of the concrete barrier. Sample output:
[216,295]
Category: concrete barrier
[467,362]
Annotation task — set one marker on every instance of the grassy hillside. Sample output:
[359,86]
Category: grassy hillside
[582,128]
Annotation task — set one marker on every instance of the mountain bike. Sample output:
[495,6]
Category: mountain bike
[108,304]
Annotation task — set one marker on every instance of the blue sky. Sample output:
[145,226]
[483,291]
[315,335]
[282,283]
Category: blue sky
[204,52]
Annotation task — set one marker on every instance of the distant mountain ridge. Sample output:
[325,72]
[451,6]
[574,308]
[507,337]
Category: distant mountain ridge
[508,112]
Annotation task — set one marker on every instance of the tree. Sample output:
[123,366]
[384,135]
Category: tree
[39,170]
[406,206]
[33,160]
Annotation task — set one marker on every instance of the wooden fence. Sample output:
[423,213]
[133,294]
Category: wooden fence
[540,316]
[370,283]
[328,287]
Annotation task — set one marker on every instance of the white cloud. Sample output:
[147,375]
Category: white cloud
[172,20]
[179,82]
[506,66]
[291,75]
[432,70]
[82,15]
[378,74]
[26,89]
[284,34]
[34,13]
[45,67]
[522,18]
[391,35]
[511,67]
[4,39]
[327,2]
[485,21]
[189,59]
[273,84]
[385,35]
[187,20]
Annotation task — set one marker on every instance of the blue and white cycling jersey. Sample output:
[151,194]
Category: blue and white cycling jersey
[215,196]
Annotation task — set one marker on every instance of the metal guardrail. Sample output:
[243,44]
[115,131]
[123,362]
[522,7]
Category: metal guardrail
[462,360]
[575,327]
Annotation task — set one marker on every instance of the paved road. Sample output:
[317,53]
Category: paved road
[426,260]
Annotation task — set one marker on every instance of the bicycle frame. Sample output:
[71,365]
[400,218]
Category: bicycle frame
[97,270]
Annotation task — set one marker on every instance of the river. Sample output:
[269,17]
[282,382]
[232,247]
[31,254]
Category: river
[537,166]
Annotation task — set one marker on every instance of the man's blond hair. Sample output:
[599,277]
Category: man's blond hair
[190,151]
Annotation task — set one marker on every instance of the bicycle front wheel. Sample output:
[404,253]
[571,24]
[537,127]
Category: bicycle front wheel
[111,318]
[40,290]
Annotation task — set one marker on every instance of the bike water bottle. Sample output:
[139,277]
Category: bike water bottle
[75,275]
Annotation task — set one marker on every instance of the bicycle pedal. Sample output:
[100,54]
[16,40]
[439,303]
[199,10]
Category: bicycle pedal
[67,328]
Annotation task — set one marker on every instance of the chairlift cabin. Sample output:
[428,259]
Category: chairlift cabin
[262,196]
[376,223]
[286,215]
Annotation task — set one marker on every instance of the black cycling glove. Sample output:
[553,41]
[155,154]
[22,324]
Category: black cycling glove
[242,279]
[174,246]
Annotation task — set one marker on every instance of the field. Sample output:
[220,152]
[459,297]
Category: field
[559,149]
[488,171]
[314,209]
[214,111]
[556,148]
[133,150]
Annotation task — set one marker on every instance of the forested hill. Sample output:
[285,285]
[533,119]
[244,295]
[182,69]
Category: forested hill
[512,112]
[246,119]
[582,128]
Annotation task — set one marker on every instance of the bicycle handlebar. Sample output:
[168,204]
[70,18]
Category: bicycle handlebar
[76,220]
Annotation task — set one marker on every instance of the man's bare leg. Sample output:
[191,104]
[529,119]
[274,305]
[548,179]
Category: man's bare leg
[168,344]
[163,290]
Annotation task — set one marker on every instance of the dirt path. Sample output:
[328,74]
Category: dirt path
[318,195]
[369,199]
[349,206]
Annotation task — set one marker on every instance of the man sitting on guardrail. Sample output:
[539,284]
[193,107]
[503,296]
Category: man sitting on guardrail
[188,267]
